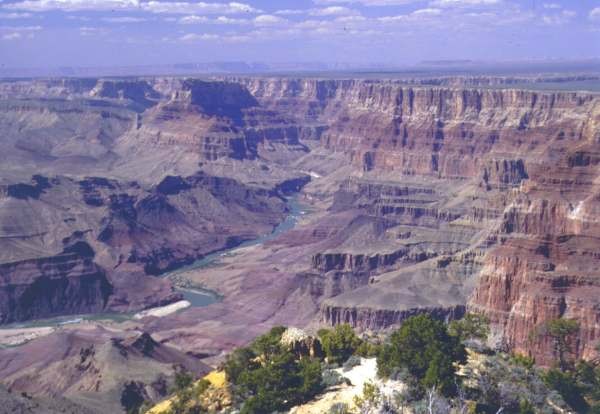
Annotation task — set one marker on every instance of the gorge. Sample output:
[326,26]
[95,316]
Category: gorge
[447,196]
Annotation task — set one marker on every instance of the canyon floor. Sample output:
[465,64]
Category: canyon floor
[283,201]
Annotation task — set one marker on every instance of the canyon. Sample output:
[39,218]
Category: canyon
[441,196]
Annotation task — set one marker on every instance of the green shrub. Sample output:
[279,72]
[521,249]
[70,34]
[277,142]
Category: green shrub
[339,408]
[566,385]
[339,343]
[562,332]
[370,398]
[352,362]
[267,377]
[367,349]
[269,343]
[525,407]
[472,326]
[523,360]
[332,378]
[424,347]
[238,362]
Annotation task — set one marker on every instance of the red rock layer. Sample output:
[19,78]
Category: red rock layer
[548,264]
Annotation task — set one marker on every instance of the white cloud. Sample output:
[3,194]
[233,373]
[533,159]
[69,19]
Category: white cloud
[552,6]
[595,14]
[311,24]
[197,7]
[124,19]
[268,20]
[333,11]
[289,12]
[194,37]
[92,31]
[72,5]
[193,19]
[421,14]
[11,36]
[18,32]
[22,28]
[427,12]
[351,19]
[15,15]
[210,37]
[369,2]
[561,18]
[80,18]
[154,6]
[435,3]
[464,3]
[229,20]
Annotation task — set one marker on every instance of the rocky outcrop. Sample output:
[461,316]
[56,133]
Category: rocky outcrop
[503,173]
[23,403]
[446,191]
[220,99]
[434,131]
[376,319]
[326,262]
[536,155]
[101,369]
[69,283]
[301,344]
[140,230]
[545,266]
[24,191]
[137,91]
[174,208]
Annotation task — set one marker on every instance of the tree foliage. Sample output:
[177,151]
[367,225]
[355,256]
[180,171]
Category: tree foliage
[579,386]
[339,343]
[525,407]
[472,326]
[523,360]
[566,384]
[370,398]
[561,331]
[424,347]
[267,377]
[183,392]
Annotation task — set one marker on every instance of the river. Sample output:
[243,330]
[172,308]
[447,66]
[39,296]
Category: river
[196,297]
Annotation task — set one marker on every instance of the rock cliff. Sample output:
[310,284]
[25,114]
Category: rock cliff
[68,283]
[523,167]
[427,198]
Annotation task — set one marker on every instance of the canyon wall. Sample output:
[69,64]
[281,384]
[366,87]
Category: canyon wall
[448,197]
[532,161]
[68,283]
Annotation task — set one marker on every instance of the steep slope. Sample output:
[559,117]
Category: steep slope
[440,177]
[96,368]
[425,199]
[74,247]
[19,403]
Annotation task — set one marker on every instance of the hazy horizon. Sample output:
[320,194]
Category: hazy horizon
[359,33]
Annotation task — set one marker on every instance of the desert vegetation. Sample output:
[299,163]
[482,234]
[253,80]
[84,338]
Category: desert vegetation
[426,366]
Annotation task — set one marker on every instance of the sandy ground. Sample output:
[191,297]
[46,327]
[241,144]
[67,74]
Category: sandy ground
[18,336]
[163,310]
[358,376]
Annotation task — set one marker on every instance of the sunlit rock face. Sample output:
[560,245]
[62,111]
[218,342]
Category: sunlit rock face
[435,199]
[533,157]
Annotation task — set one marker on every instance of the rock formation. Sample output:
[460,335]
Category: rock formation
[96,368]
[438,198]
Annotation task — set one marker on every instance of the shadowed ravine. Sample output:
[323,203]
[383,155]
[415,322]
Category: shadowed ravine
[449,196]
[197,296]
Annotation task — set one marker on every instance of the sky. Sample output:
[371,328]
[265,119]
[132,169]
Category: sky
[55,33]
